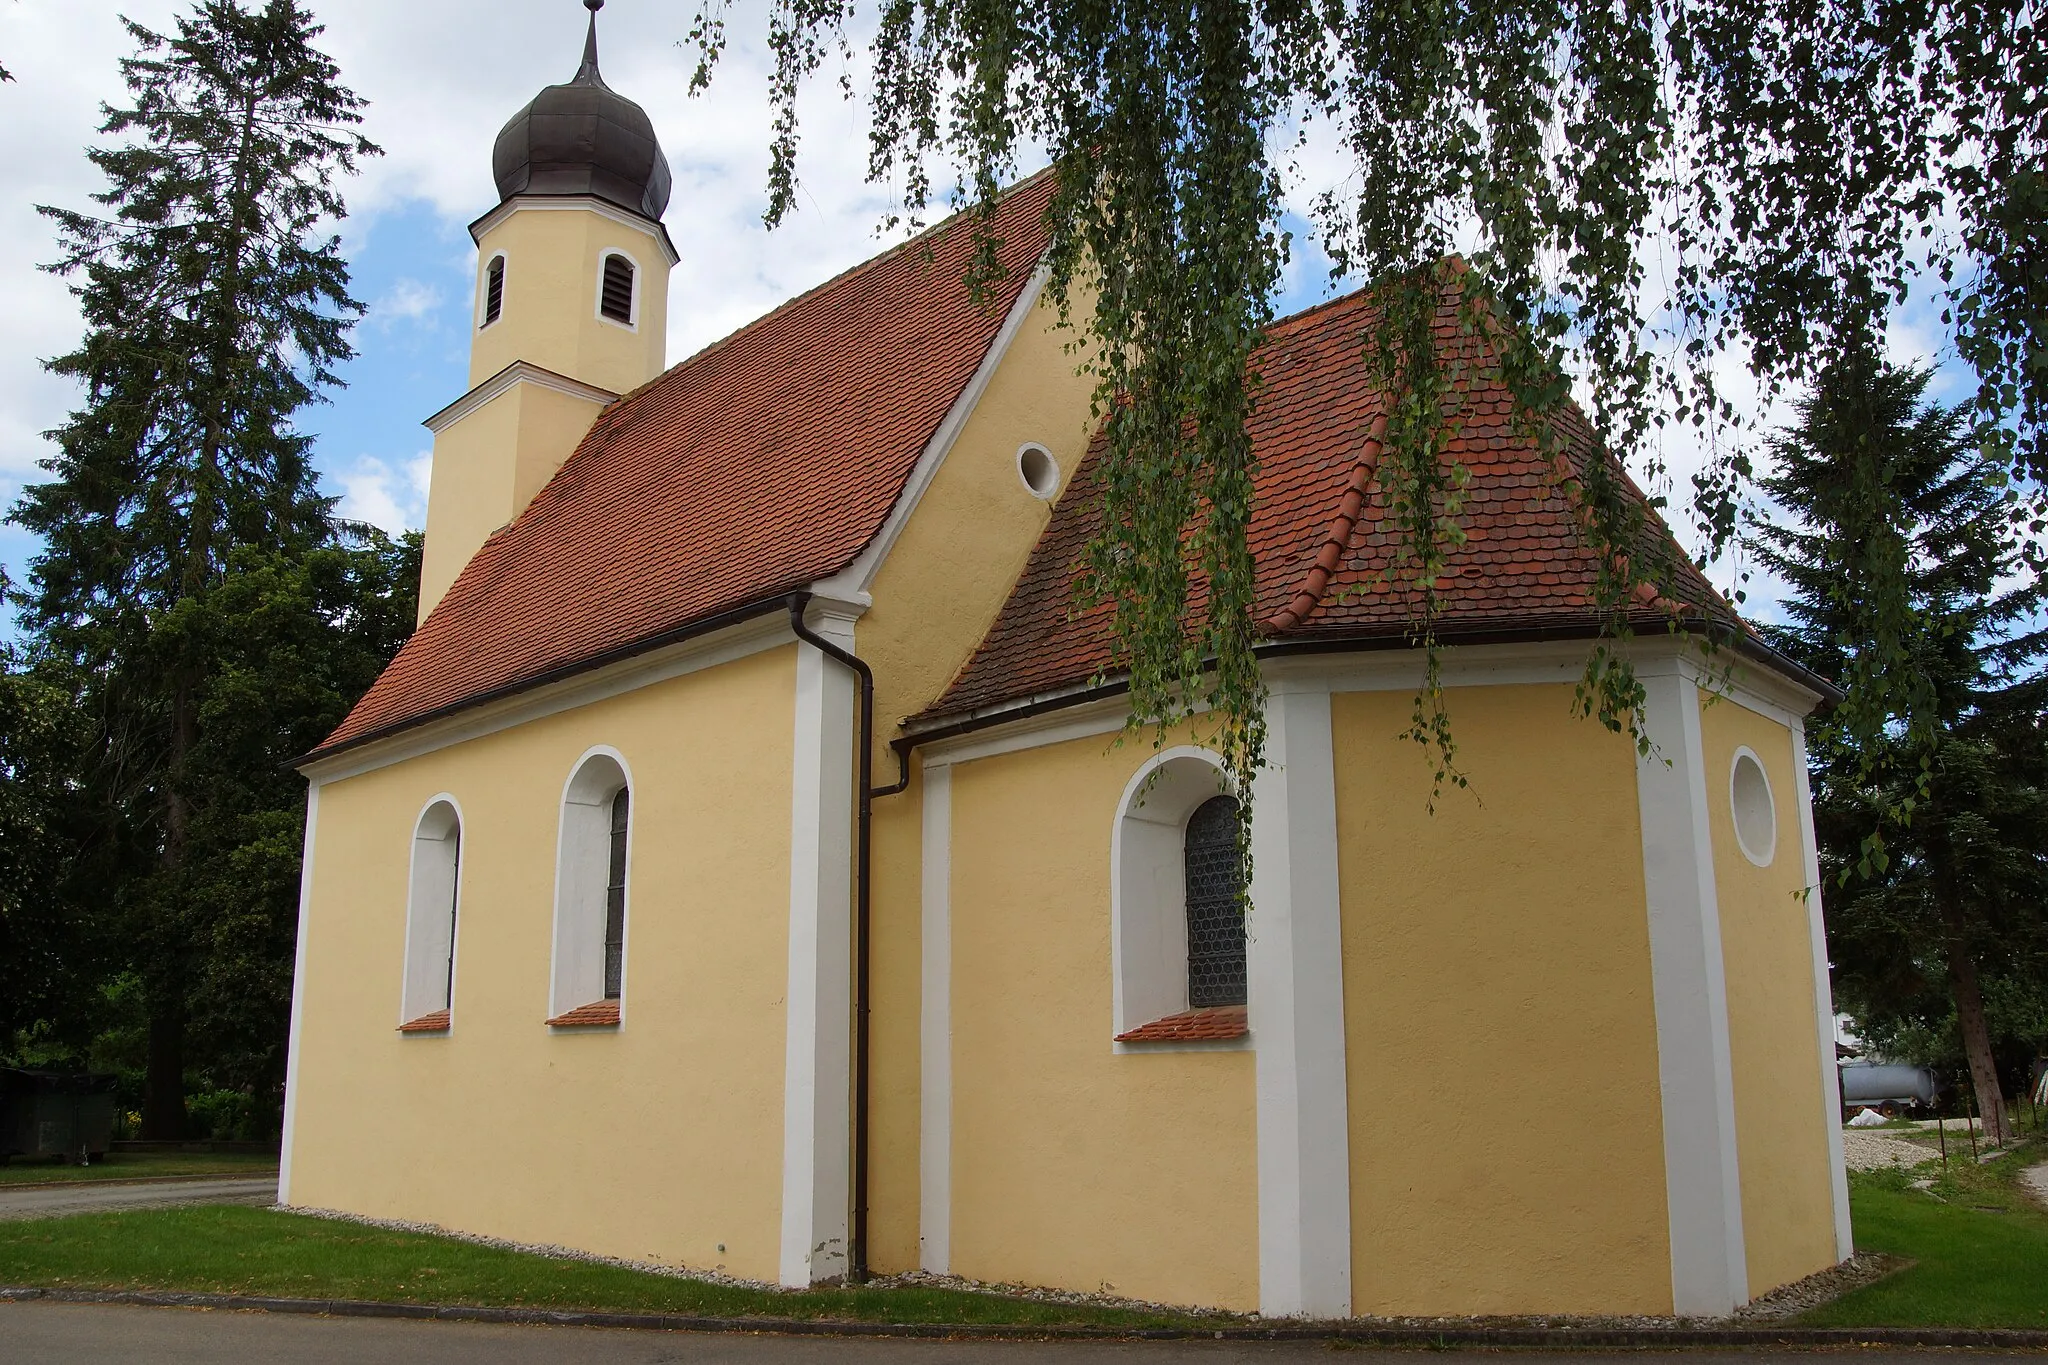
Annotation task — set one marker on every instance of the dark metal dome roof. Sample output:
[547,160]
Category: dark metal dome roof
[584,138]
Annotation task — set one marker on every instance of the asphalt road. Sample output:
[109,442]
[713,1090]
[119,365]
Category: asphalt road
[33,1333]
[54,1201]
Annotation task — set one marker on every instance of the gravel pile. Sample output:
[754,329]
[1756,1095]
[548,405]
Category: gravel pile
[1869,1152]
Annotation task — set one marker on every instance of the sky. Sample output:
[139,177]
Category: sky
[441,77]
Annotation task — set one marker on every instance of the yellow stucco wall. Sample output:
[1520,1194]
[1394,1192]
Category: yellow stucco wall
[550,315]
[1500,1032]
[1073,1166]
[934,598]
[487,467]
[660,1140]
[1781,1135]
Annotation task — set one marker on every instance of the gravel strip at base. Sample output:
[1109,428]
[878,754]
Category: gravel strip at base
[1349,1332]
[1822,1287]
[1786,1301]
[559,1253]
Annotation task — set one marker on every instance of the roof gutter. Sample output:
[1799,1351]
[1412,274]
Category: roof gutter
[985,718]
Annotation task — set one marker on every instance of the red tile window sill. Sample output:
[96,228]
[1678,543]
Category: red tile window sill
[601,1014]
[1218,1023]
[437,1022]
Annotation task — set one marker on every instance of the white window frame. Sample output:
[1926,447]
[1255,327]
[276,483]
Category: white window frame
[483,291]
[433,910]
[582,876]
[597,297]
[1052,489]
[1148,888]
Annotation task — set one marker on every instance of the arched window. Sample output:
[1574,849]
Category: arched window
[494,290]
[615,289]
[1213,866]
[593,894]
[431,904]
[1177,939]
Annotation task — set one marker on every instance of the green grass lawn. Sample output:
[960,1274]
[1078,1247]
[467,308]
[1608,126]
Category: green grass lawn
[137,1166]
[240,1250]
[1980,1244]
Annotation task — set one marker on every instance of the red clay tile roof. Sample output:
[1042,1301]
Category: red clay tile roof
[761,464]
[437,1022]
[1214,1024]
[1325,561]
[602,1014]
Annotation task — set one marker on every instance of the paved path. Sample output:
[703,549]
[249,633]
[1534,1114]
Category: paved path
[2035,1180]
[60,1334]
[54,1201]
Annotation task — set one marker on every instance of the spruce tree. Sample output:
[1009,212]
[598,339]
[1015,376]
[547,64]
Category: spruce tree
[1933,819]
[216,305]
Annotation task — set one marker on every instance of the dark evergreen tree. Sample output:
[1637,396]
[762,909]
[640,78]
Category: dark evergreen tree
[215,308]
[45,957]
[1933,824]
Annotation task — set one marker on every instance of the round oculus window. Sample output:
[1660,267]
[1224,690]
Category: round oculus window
[1038,469]
[1756,814]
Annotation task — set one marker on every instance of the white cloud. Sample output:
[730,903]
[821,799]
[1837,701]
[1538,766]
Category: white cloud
[392,499]
[406,301]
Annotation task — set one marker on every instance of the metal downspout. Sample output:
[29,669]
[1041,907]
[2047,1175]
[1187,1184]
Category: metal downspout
[857,1241]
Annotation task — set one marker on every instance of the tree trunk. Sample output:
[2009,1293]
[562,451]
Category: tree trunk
[1962,980]
[163,1092]
[163,1089]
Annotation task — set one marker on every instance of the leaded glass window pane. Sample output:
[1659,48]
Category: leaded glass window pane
[615,902]
[1215,898]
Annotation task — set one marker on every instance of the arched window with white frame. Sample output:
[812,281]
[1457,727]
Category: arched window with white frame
[593,872]
[433,900]
[1177,905]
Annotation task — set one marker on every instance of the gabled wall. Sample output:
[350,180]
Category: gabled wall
[936,593]
[660,1139]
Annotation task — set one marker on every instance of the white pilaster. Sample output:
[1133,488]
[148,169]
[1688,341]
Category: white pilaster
[1703,1188]
[1295,960]
[935,1029]
[817,1065]
[1823,1000]
[295,1039]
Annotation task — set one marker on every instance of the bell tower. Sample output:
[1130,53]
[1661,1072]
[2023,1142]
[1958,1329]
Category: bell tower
[571,307]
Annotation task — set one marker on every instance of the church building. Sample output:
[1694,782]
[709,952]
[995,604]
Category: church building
[739,869]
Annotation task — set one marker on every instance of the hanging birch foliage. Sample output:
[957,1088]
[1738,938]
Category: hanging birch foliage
[1646,192]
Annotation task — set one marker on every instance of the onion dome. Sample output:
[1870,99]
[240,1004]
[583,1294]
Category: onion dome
[584,138]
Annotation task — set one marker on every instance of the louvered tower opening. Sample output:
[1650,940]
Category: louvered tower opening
[617,300]
[494,290]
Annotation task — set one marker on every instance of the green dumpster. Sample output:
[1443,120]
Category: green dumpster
[65,1114]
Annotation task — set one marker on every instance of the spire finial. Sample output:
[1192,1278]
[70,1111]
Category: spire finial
[588,71]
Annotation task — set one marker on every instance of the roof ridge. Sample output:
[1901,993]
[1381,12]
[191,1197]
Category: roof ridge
[1331,553]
